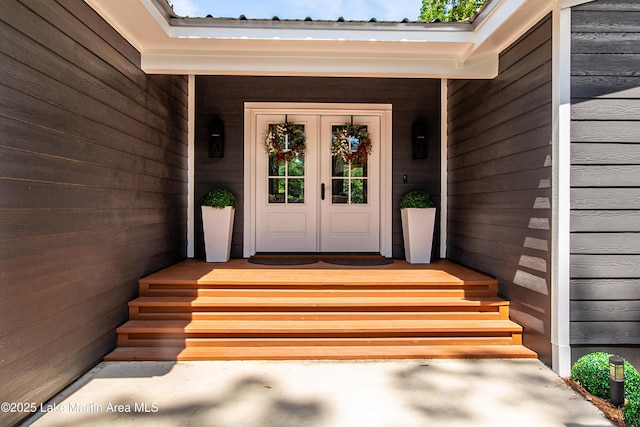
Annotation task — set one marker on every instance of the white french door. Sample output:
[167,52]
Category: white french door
[317,202]
[350,208]
[287,192]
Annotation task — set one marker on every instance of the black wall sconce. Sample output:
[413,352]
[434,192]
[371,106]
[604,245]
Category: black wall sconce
[216,139]
[419,140]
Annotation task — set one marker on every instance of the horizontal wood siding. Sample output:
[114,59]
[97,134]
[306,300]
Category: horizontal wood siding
[499,179]
[224,97]
[92,190]
[605,178]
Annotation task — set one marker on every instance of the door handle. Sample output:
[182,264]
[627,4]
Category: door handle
[322,191]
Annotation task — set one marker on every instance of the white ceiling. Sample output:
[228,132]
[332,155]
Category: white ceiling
[173,45]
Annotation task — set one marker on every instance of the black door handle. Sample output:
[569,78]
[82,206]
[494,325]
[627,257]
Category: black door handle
[322,191]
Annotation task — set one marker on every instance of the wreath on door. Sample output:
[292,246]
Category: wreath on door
[352,144]
[285,142]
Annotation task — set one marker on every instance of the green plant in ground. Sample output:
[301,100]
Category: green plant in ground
[219,198]
[632,410]
[631,379]
[592,372]
[417,199]
[632,390]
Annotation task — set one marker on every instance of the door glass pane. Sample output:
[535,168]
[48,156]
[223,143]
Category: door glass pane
[338,167]
[358,191]
[340,191]
[282,165]
[295,193]
[296,167]
[352,187]
[276,169]
[277,190]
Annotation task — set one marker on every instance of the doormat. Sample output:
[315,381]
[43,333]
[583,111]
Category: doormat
[283,261]
[363,262]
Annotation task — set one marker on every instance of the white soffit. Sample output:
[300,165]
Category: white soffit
[170,45]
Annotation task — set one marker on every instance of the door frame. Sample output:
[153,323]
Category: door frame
[251,144]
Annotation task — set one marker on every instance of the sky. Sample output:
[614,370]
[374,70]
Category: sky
[357,10]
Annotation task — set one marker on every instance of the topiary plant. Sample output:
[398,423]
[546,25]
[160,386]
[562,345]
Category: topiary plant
[631,410]
[631,379]
[219,198]
[592,372]
[417,199]
[632,390]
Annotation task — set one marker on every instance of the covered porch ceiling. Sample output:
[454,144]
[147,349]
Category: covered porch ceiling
[169,44]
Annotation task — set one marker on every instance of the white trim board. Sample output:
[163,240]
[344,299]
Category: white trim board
[253,109]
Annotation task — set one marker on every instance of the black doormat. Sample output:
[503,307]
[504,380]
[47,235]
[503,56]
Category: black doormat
[283,261]
[363,262]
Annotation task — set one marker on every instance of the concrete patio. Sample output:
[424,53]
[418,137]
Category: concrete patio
[321,393]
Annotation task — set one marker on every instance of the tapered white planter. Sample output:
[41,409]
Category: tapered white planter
[218,229]
[417,233]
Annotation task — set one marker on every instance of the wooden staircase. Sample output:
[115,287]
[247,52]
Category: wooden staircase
[193,311]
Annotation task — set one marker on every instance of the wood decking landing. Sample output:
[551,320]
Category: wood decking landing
[237,310]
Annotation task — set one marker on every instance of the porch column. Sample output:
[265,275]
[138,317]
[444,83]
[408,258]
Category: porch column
[561,206]
[444,136]
[191,151]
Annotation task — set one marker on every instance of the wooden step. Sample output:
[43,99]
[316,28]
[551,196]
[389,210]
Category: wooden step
[322,315]
[152,341]
[318,301]
[193,278]
[334,328]
[319,352]
[322,342]
[193,291]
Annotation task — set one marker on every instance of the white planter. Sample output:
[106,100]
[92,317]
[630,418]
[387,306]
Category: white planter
[417,233]
[218,229]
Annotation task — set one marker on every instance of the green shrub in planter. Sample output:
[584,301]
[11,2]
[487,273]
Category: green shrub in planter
[219,198]
[417,199]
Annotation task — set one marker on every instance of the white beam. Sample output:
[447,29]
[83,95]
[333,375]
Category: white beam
[313,64]
[564,4]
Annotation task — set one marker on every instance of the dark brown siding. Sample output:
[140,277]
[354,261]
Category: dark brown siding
[92,190]
[224,97]
[499,179]
[605,179]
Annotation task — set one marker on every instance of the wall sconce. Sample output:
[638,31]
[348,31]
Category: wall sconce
[216,139]
[420,143]
[616,380]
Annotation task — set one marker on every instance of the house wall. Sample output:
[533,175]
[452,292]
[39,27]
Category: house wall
[224,97]
[92,190]
[499,180]
[605,179]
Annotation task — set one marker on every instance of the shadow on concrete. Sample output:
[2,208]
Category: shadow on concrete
[248,401]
